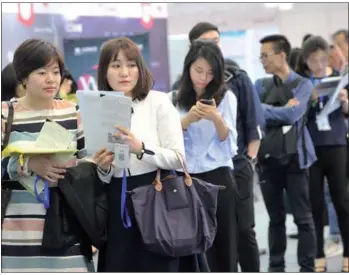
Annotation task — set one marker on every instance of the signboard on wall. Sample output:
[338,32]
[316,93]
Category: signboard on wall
[82,58]
[55,26]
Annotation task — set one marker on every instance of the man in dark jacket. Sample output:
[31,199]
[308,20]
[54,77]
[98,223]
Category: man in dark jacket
[249,136]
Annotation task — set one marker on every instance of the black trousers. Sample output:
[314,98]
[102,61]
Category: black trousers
[222,256]
[331,164]
[295,181]
[248,251]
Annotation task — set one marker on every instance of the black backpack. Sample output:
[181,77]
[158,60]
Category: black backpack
[278,145]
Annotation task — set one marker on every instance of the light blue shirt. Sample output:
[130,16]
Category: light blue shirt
[203,148]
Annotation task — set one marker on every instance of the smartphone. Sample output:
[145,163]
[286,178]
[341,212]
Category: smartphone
[207,101]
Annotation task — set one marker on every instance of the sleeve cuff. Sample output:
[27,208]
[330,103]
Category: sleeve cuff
[23,171]
[103,172]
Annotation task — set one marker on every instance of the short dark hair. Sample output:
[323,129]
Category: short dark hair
[34,54]
[110,52]
[339,32]
[294,57]
[280,43]
[306,37]
[8,83]
[68,75]
[314,44]
[311,45]
[216,88]
[201,28]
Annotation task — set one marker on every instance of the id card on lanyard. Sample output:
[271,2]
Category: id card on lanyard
[322,123]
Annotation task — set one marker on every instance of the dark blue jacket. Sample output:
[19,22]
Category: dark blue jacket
[250,119]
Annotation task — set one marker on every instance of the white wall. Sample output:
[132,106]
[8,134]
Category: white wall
[317,18]
[322,23]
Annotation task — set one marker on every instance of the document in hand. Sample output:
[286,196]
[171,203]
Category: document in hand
[327,86]
[53,139]
[333,102]
[100,112]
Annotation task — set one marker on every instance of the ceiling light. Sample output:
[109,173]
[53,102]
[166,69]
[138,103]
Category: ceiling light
[271,5]
[285,6]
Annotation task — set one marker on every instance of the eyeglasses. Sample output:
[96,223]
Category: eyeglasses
[265,56]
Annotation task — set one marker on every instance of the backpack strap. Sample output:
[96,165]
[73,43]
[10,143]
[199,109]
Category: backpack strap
[267,84]
[8,124]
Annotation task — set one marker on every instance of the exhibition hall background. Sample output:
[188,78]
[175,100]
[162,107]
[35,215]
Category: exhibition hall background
[161,31]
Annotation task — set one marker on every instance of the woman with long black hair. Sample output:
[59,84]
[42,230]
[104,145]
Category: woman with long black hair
[208,115]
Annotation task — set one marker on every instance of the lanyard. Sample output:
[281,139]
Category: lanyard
[46,195]
[125,217]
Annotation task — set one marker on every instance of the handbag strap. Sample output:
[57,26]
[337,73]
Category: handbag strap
[8,124]
[187,178]
[125,217]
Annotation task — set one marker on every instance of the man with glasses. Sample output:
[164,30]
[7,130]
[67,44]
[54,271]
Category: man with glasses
[285,99]
[249,122]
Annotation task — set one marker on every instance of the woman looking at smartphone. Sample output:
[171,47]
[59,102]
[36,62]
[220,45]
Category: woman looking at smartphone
[208,116]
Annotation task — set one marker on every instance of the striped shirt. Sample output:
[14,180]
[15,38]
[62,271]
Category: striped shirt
[24,220]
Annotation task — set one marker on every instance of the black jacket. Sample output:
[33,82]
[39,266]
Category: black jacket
[248,112]
[78,211]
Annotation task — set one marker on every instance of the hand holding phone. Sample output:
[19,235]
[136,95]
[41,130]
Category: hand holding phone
[207,109]
[207,101]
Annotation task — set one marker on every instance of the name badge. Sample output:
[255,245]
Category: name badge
[323,124]
[122,155]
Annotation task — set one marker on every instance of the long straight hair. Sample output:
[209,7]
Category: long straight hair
[216,89]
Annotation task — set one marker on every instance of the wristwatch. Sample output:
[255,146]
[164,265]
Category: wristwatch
[144,151]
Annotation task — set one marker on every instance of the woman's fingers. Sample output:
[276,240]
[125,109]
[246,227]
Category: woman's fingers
[58,170]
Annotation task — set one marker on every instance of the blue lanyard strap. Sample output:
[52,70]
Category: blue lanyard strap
[46,195]
[124,212]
